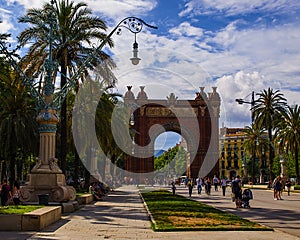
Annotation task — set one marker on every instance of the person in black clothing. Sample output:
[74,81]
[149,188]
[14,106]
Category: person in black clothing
[237,191]
[288,185]
[4,193]
[190,186]
[173,188]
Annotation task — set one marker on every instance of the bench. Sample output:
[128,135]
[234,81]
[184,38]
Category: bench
[32,221]
[85,199]
[40,218]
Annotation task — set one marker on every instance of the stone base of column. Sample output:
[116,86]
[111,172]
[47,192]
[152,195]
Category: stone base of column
[53,184]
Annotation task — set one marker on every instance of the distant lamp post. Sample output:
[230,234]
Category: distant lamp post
[283,167]
[46,177]
[252,103]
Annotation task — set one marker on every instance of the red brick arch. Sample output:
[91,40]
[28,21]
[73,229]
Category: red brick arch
[197,121]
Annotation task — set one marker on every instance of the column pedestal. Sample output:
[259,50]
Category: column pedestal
[46,177]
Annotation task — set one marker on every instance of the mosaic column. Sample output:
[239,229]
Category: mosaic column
[47,162]
[46,177]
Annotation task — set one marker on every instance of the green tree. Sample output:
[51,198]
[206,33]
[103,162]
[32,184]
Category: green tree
[267,111]
[254,143]
[288,134]
[18,128]
[181,162]
[4,66]
[73,31]
[176,157]
[95,104]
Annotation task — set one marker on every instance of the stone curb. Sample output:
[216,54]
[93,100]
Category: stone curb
[148,212]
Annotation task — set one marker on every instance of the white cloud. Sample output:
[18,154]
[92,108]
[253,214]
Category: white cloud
[27,3]
[6,25]
[186,29]
[113,9]
[236,7]
[239,85]
[116,8]
[242,60]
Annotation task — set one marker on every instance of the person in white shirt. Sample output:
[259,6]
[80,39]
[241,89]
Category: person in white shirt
[223,184]
[199,184]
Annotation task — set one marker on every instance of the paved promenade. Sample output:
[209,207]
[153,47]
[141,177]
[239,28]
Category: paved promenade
[122,216]
[282,215]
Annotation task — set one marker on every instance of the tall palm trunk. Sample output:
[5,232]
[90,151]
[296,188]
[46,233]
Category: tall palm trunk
[297,162]
[271,151]
[63,121]
[76,168]
[12,165]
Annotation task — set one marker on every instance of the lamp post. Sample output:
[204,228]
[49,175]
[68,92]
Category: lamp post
[283,167]
[46,177]
[252,103]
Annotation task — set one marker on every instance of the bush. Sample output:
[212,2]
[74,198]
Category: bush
[297,187]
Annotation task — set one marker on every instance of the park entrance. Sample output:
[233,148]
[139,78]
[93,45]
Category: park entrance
[197,121]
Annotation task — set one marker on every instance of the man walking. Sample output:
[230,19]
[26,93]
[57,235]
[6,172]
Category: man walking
[237,190]
[223,184]
[216,182]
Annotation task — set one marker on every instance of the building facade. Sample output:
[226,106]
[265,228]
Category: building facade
[232,155]
[234,160]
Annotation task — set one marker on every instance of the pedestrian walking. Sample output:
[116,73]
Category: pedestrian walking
[216,182]
[199,185]
[207,185]
[288,185]
[237,191]
[173,188]
[223,185]
[277,188]
[190,187]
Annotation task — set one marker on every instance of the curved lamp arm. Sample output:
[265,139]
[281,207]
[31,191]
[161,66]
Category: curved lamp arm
[133,24]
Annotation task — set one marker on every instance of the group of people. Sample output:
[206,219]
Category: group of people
[278,187]
[98,190]
[10,195]
[238,195]
[236,188]
[206,184]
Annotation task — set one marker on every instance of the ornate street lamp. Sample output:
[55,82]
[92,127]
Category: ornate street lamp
[46,177]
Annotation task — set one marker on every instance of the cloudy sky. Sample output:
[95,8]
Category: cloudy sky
[239,46]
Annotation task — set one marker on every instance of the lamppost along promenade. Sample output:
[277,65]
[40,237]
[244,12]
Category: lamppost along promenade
[46,176]
[252,103]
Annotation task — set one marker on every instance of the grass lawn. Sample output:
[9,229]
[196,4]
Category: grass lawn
[177,213]
[21,209]
[78,194]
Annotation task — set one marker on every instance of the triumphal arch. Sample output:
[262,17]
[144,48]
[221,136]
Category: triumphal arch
[197,121]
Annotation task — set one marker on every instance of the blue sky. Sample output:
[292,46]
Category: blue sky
[239,46]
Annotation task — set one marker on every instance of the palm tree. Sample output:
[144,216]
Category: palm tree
[288,134]
[254,143]
[73,31]
[18,128]
[86,103]
[267,111]
[4,66]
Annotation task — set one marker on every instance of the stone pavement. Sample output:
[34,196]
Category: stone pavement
[122,216]
[281,215]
